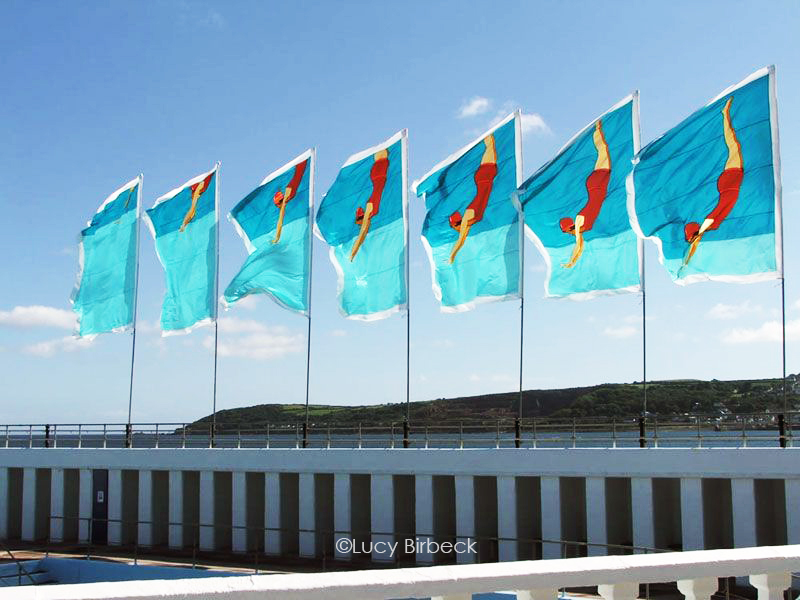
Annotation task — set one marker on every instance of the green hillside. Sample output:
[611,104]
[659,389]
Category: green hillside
[664,398]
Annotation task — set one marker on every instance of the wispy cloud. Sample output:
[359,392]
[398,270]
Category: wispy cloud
[52,347]
[733,311]
[625,331]
[769,331]
[338,333]
[248,302]
[247,338]
[38,316]
[473,107]
[533,123]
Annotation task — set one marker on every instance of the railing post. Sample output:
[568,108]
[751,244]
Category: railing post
[614,432]
[517,433]
[329,436]
[105,438]
[535,444]
[642,433]
[238,436]
[268,435]
[744,432]
[128,435]
[212,435]
[7,436]
[305,434]
[30,436]
[47,436]
[183,435]
[427,440]
[55,436]
[574,432]
[156,435]
[359,436]
[497,434]
[391,441]
[782,430]
[80,436]
[461,435]
[655,432]
[406,434]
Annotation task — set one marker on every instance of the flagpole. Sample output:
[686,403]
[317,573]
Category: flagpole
[407,224]
[216,308]
[313,160]
[521,216]
[128,428]
[644,338]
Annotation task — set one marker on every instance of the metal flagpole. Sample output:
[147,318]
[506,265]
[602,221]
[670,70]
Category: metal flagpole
[515,198]
[644,338]
[407,218]
[128,427]
[216,307]
[313,160]
[783,337]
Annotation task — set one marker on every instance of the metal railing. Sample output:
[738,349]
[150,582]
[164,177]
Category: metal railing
[755,430]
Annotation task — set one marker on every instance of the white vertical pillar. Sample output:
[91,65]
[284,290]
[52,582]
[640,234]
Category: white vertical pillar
[596,526]
[465,515]
[551,517]
[145,525]
[341,512]
[307,517]
[642,513]
[743,498]
[423,500]
[114,507]
[507,517]
[619,591]
[770,586]
[701,588]
[692,513]
[4,501]
[206,510]
[382,515]
[176,509]
[29,504]
[272,520]
[56,505]
[239,510]
[792,494]
[84,504]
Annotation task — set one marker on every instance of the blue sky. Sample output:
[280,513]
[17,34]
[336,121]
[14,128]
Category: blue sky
[95,93]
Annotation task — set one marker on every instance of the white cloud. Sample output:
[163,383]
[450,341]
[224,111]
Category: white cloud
[52,347]
[247,338]
[533,123]
[248,302]
[474,107]
[474,378]
[338,333]
[625,331]
[769,331]
[38,316]
[732,311]
[636,319]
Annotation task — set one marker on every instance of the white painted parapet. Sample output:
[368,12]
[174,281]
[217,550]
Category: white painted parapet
[465,515]
[792,491]
[616,578]
[341,514]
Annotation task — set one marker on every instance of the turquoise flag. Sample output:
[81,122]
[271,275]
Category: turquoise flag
[576,213]
[708,191]
[274,222]
[184,226]
[105,292]
[473,228]
[364,219]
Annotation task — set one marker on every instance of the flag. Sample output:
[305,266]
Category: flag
[364,219]
[104,297]
[184,226]
[576,209]
[708,191]
[274,222]
[472,231]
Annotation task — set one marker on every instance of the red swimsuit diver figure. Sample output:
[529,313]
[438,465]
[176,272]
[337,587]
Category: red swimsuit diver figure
[596,188]
[197,191]
[377,174]
[728,185]
[282,198]
[484,178]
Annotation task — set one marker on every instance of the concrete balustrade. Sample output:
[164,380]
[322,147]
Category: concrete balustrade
[615,578]
[300,503]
